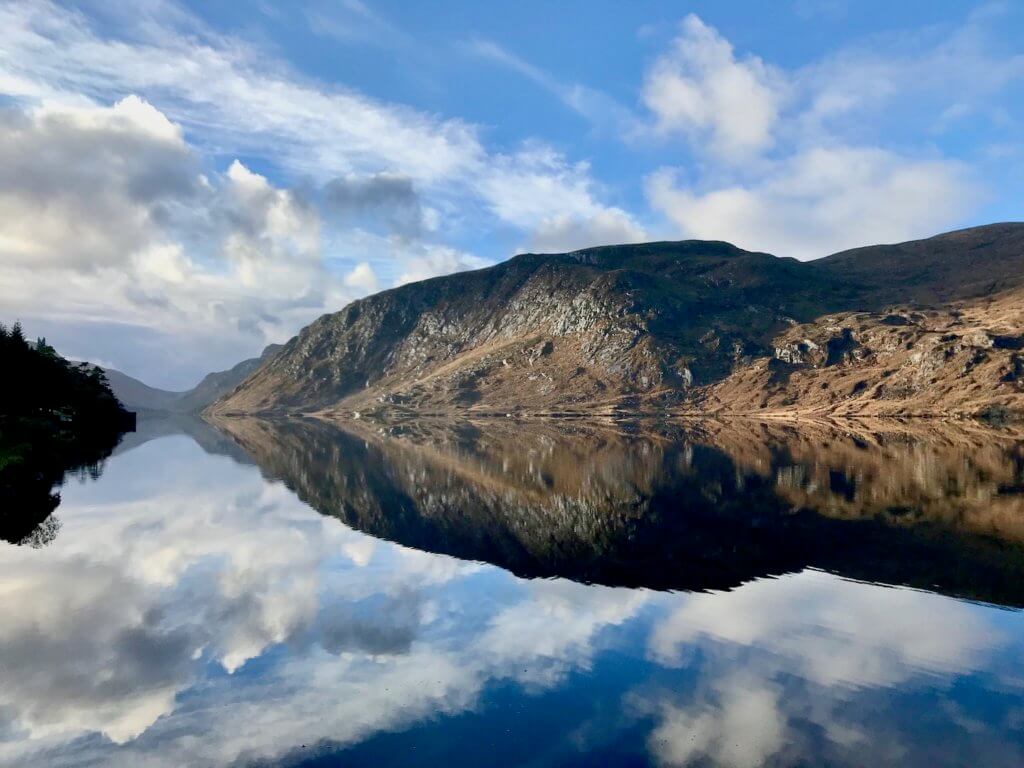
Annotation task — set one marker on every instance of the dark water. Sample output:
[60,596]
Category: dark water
[713,594]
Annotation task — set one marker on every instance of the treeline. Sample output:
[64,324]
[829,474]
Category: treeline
[55,416]
[37,383]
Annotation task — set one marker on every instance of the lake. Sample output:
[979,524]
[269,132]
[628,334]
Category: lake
[506,593]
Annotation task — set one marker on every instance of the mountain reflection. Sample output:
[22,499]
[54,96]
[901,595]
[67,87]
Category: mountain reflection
[694,506]
[191,612]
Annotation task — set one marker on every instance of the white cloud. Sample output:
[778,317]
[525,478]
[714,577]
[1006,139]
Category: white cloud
[818,173]
[362,277]
[105,216]
[228,92]
[801,670]
[822,200]
[189,254]
[67,174]
[599,108]
[555,201]
[700,88]
[526,187]
[425,261]
[914,74]
[559,234]
[235,97]
[520,635]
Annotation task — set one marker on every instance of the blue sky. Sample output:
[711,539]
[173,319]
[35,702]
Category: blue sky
[181,184]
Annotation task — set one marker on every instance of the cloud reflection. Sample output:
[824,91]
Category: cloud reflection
[811,669]
[193,613]
[114,628]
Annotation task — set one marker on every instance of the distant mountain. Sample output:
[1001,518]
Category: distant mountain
[928,327]
[139,396]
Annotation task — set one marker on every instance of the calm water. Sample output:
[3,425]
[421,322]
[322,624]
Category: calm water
[501,594]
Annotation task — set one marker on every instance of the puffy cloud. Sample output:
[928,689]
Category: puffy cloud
[701,89]
[238,252]
[67,174]
[271,234]
[559,234]
[805,669]
[362,277]
[822,200]
[814,180]
[105,216]
[76,660]
[424,261]
[239,97]
[744,108]
[519,635]
[556,201]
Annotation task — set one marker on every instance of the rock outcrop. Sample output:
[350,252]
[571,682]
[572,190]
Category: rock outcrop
[927,327]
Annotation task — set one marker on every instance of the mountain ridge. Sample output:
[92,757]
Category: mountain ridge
[138,395]
[676,326]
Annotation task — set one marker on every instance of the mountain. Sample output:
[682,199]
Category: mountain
[139,396]
[928,327]
[218,384]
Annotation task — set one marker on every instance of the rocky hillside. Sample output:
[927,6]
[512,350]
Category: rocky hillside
[930,327]
[964,358]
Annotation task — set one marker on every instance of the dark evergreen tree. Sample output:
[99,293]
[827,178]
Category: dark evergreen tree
[54,416]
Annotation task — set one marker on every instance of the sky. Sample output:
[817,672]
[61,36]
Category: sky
[184,183]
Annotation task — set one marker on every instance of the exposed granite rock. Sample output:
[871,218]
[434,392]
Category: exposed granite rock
[923,327]
[1016,370]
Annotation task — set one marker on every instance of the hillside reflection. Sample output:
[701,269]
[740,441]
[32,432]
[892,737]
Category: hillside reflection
[191,612]
[695,506]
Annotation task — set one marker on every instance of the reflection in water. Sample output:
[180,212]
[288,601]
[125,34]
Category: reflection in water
[204,615]
[693,507]
[29,488]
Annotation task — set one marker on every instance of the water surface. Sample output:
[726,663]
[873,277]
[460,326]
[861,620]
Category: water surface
[293,593]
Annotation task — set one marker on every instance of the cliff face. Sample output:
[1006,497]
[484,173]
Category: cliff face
[688,325]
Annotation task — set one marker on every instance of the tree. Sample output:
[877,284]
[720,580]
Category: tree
[54,417]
